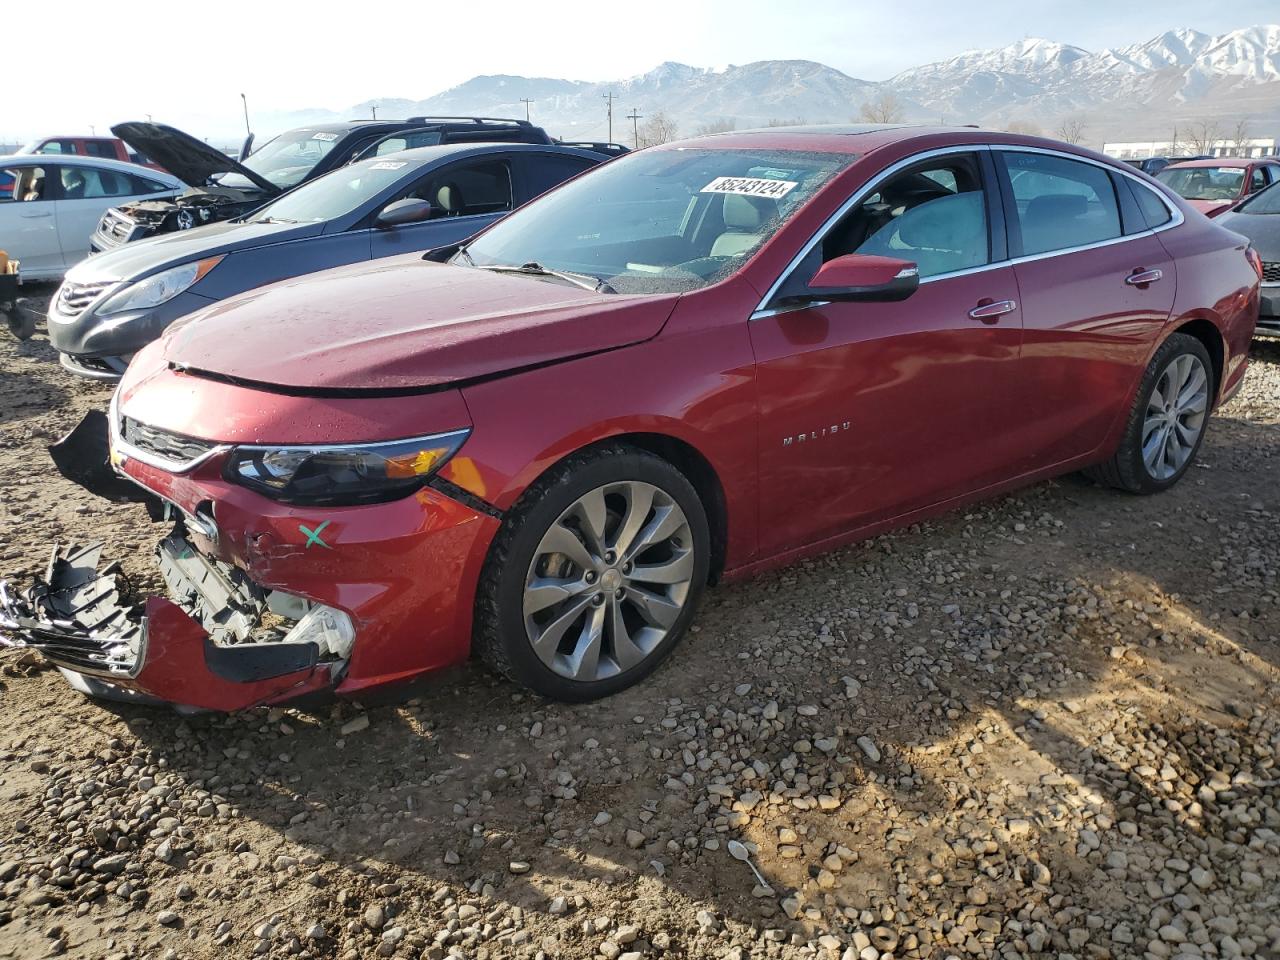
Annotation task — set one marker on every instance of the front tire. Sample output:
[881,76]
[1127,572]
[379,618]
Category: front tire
[1167,422]
[594,576]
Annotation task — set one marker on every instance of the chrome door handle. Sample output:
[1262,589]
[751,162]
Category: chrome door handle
[992,311]
[1140,278]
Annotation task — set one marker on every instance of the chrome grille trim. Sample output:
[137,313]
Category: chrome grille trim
[172,447]
[171,452]
[1271,271]
[73,298]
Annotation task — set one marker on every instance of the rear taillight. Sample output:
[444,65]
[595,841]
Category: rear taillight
[1255,260]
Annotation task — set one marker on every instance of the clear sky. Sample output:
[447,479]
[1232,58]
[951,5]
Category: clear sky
[94,63]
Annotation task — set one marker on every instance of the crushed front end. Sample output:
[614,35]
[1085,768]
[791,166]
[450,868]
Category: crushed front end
[220,644]
[148,218]
[266,601]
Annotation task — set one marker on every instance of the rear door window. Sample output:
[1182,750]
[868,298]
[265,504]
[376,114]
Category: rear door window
[100,148]
[542,171]
[90,183]
[1060,203]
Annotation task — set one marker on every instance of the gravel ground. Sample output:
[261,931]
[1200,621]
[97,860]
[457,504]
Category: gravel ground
[1047,726]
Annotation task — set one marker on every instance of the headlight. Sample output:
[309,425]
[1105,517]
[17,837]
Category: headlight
[158,289]
[342,474]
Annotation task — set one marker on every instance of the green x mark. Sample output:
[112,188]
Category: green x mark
[313,536]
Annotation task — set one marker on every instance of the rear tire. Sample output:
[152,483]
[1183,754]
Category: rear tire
[1167,422]
[594,576]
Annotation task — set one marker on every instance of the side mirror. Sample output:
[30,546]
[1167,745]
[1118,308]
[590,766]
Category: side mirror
[862,277]
[408,210]
[246,148]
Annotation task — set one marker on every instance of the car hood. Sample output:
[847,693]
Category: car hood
[190,160]
[404,324]
[1262,229]
[1211,208]
[131,261]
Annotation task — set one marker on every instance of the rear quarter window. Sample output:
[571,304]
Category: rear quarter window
[1154,210]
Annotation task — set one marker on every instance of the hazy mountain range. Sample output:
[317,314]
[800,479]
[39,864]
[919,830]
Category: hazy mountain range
[1134,92]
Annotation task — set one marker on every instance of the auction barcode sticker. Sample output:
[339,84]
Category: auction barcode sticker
[389,165]
[751,187]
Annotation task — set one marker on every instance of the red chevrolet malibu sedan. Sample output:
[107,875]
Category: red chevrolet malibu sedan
[694,363]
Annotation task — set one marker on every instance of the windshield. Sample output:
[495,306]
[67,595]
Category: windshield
[659,221]
[286,160]
[1266,201]
[1203,183]
[333,195]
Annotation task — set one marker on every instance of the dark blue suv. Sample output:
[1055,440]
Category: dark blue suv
[222,187]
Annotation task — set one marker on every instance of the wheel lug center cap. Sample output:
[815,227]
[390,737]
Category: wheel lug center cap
[610,580]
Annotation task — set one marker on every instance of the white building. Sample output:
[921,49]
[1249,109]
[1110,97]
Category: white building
[1253,147]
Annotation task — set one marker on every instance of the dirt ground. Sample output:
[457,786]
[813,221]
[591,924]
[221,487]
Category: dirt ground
[1046,726]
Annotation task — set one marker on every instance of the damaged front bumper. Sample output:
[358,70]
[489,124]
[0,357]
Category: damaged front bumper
[209,650]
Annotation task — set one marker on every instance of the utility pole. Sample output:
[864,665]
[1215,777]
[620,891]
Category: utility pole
[374,108]
[609,99]
[244,100]
[526,107]
[93,131]
[634,116]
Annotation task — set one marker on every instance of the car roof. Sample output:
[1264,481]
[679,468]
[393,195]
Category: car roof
[858,139]
[424,155]
[76,160]
[72,136]
[1229,162]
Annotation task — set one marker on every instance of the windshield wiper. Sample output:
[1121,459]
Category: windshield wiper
[274,220]
[535,269]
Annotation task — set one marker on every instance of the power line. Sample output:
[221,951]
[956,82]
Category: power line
[526,107]
[609,98]
[634,116]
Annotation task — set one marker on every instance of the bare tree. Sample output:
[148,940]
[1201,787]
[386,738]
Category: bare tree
[659,128]
[1026,127]
[1202,135]
[723,125]
[785,122]
[1071,129]
[1240,138]
[885,107]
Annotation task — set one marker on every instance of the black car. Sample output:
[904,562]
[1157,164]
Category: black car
[1153,165]
[222,187]
[113,304]
[1258,218]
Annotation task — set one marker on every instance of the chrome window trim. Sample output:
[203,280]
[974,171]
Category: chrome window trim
[763,310]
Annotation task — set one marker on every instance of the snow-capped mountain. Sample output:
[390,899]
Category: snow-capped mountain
[750,94]
[1131,92]
[1041,78]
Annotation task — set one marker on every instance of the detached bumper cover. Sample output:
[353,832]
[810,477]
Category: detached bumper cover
[77,618]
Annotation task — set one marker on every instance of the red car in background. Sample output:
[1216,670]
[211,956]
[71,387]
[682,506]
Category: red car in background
[691,364]
[1214,185]
[109,148]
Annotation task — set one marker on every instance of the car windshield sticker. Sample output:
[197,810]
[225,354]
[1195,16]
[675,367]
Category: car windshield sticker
[326,137]
[389,165]
[313,536]
[751,187]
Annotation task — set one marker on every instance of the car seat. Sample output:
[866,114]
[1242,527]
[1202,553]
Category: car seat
[743,217]
[449,199]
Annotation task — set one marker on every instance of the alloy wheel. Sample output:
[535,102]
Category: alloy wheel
[608,581]
[1175,418]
